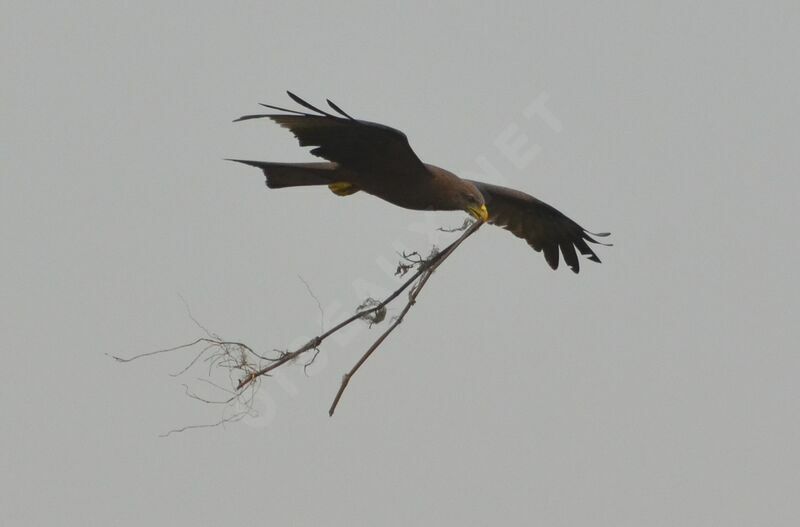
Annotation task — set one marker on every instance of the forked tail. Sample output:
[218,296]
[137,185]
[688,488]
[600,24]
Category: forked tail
[281,175]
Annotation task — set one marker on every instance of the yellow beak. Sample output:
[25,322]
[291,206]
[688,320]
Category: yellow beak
[479,212]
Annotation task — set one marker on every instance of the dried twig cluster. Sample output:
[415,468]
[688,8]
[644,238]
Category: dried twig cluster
[245,367]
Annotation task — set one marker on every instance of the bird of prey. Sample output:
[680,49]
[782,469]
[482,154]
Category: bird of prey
[376,159]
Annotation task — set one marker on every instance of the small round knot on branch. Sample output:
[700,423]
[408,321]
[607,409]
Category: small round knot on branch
[374,311]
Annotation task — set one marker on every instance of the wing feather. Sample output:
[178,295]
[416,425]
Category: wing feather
[359,145]
[545,228]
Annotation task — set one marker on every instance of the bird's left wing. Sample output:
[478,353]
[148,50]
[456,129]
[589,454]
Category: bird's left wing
[352,143]
[541,225]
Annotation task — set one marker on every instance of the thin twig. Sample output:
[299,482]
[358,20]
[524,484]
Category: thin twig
[236,417]
[319,304]
[463,227]
[424,275]
[426,267]
[234,356]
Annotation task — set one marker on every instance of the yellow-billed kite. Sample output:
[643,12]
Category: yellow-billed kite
[377,159]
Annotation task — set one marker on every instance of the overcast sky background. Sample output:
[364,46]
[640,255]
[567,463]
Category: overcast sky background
[659,388]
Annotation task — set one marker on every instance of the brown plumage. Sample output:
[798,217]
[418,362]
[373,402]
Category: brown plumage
[377,159]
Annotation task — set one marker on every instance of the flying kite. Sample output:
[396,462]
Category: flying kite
[378,160]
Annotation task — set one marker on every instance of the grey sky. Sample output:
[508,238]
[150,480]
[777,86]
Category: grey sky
[659,388]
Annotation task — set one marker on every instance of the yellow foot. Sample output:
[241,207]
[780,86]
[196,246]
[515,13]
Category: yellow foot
[343,188]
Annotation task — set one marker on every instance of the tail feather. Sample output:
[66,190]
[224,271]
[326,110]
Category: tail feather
[281,175]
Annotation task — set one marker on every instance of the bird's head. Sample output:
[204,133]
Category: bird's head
[473,202]
[454,193]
